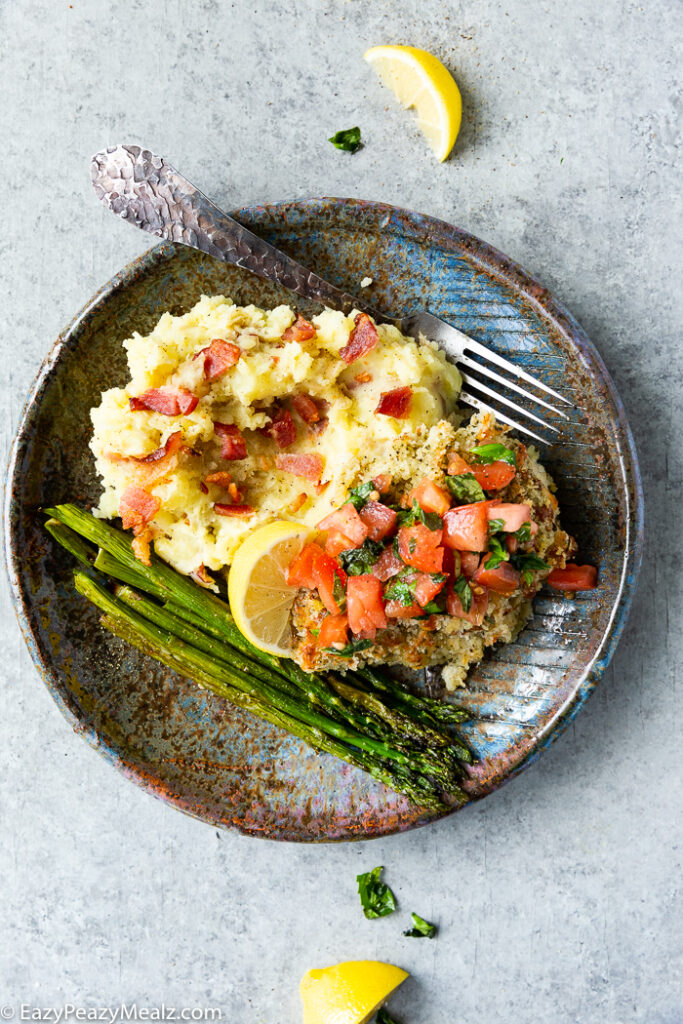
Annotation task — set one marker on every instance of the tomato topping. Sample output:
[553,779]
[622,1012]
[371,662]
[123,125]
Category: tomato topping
[334,631]
[347,521]
[420,547]
[379,519]
[219,356]
[469,563]
[137,507]
[337,542]
[282,429]
[426,588]
[305,406]
[395,403]
[365,604]
[430,497]
[480,601]
[494,476]
[233,445]
[513,515]
[168,401]
[503,580]
[316,570]
[362,339]
[457,465]
[233,510]
[310,467]
[466,528]
[300,570]
[574,577]
[382,482]
[300,330]
[396,610]
[387,565]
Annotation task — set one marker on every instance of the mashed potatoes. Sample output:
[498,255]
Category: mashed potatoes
[351,438]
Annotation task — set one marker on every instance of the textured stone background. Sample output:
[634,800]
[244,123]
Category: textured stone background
[556,897]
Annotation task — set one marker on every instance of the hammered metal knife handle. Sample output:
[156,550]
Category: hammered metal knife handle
[148,192]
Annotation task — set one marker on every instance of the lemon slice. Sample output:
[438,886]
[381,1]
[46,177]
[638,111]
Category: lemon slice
[348,993]
[260,599]
[418,79]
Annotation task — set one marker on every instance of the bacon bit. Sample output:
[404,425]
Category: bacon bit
[310,467]
[362,339]
[149,469]
[167,401]
[305,406]
[274,360]
[382,482]
[363,378]
[318,428]
[233,445]
[137,507]
[221,479]
[395,403]
[235,494]
[202,577]
[282,429]
[321,488]
[298,503]
[203,488]
[141,547]
[301,330]
[233,510]
[219,356]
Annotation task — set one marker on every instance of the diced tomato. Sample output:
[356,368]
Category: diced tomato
[387,565]
[396,610]
[574,577]
[282,429]
[513,515]
[219,356]
[480,601]
[316,570]
[511,543]
[168,401]
[305,406]
[309,467]
[382,482]
[395,403]
[494,476]
[379,519]
[233,510]
[421,547]
[466,528]
[233,445]
[503,580]
[362,339]
[301,569]
[301,330]
[426,588]
[334,631]
[430,497]
[457,465]
[365,604]
[346,520]
[469,563]
[137,507]
[337,542]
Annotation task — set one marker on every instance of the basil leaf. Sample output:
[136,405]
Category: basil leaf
[384,1018]
[496,526]
[402,591]
[528,563]
[487,453]
[359,495]
[376,898]
[357,561]
[465,488]
[432,608]
[409,517]
[498,554]
[462,588]
[523,534]
[348,139]
[338,593]
[353,648]
[421,929]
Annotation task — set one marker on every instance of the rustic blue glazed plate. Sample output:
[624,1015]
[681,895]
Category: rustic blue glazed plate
[194,750]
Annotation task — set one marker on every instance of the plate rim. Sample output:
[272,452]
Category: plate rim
[506,270]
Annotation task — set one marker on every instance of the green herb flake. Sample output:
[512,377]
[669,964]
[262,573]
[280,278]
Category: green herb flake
[384,1018]
[357,561]
[523,534]
[315,632]
[462,588]
[498,554]
[496,526]
[353,648]
[347,139]
[338,593]
[402,591]
[358,496]
[487,453]
[465,488]
[409,517]
[376,898]
[528,563]
[421,929]
[432,608]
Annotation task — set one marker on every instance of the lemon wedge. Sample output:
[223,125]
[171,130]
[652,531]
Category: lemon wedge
[419,80]
[260,600]
[348,993]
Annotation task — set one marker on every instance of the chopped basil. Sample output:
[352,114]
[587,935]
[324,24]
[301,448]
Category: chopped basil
[498,554]
[315,632]
[353,648]
[465,488]
[409,517]
[496,526]
[421,929]
[357,561]
[401,591]
[338,593]
[433,608]
[527,564]
[462,588]
[384,1018]
[348,139]
[359,495]
[438,577]
[377,899]
[487,453]
[523,534]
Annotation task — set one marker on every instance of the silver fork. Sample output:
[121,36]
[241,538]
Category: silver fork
[148,192]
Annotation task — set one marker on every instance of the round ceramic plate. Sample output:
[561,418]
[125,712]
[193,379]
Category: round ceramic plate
[194,750]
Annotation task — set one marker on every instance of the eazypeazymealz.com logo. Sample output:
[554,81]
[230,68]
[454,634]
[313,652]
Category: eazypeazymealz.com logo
[108,1014]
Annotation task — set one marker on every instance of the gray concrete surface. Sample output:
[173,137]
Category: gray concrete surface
[557,897]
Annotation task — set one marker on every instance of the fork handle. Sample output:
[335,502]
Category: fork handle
[148,192]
